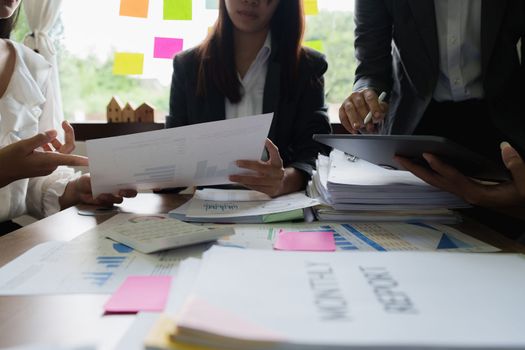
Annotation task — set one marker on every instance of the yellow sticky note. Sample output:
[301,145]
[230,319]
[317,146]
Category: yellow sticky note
[134,8]
[314,44]
[180,10]
[310,7]
[128,63]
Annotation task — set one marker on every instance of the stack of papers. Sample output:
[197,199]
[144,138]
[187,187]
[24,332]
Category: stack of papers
[357,190]
[242,299]
[242,206]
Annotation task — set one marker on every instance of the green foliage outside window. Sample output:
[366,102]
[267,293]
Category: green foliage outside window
[336,31]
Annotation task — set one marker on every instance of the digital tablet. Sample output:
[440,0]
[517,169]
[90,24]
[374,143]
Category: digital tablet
[380,149]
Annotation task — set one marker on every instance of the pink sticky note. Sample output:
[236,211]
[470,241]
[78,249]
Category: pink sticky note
[140,293]
[167,47]
[305,241]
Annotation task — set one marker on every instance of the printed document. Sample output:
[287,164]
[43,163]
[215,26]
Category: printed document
[91,263]
[194,155]
[254,299]
[363,237]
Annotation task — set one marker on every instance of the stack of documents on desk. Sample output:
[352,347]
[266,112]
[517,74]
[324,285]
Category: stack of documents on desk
[242,206]
[245,299]
[354,189]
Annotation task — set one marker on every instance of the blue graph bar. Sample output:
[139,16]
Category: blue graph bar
[98,278]
[111,261]
[343,243]
[364,238]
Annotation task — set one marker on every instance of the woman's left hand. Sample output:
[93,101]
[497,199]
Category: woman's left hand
[79,191]
[269,175]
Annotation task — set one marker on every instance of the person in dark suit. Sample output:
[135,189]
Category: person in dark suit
[449,68]
[252,62]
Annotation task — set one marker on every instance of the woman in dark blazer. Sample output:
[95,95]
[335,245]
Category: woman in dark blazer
[251,63]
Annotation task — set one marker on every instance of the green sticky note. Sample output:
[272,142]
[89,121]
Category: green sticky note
[291,215]
[314,44]
[178,10]
[311,7]
[128,63]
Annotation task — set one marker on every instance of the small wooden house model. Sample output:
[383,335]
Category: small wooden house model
[114,110]
[145,113]
[128,113]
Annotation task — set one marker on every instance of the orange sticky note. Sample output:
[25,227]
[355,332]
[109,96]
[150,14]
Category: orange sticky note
[134,8]
[322,241]
[128,63]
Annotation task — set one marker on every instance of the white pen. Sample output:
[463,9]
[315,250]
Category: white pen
[368,117]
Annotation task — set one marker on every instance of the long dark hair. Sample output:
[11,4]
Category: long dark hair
[216,53]
[7,24]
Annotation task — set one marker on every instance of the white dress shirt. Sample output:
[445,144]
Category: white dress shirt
[252,86]
[459,35]
[27,108]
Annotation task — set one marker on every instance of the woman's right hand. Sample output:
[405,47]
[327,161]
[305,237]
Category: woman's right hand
[22,159]
[354,109]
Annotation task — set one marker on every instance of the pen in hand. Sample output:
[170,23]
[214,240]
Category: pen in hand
[368,117]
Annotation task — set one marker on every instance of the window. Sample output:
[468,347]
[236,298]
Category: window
[91,34]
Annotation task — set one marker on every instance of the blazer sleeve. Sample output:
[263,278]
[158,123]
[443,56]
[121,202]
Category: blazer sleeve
[178,100]
[311,118]
[373,45]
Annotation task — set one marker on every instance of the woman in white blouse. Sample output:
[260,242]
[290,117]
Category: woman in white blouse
[31,176]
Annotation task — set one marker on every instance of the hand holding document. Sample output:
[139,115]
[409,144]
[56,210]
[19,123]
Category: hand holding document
[194,155]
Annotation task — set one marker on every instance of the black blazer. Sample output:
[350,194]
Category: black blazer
[398,52]
[297,117]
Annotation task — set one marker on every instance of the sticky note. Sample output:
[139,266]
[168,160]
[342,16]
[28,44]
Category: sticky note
[167,47]
[178,10]
[322,241]
[134,8]
[314,44]
[310,7]
[212,4]
[128,63]
[140,293]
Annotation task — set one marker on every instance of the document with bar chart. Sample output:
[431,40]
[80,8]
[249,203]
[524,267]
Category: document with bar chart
[366,237]
[90,264]
[194,155]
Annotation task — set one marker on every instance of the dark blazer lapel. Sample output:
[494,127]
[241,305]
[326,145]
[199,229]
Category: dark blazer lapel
[272,91]
[425,16]
[272,87]
[491,19]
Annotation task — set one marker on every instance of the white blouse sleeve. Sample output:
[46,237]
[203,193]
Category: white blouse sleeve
[44,192]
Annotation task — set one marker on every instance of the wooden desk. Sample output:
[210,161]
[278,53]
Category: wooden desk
[66,319]
[74,319]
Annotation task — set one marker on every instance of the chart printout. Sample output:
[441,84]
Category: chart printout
[194,155]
